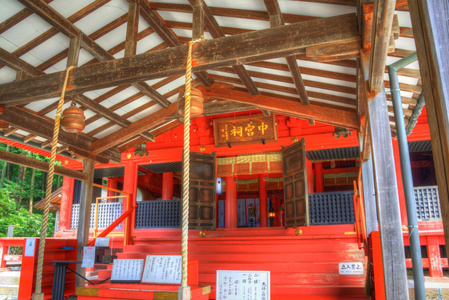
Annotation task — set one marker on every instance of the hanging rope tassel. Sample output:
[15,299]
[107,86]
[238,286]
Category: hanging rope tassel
[51,170]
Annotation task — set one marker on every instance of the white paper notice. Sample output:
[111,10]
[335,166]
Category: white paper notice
[243,285]
[30,246]
[163,269]
[88,257]
[350,268]
[102,242]
[127,270]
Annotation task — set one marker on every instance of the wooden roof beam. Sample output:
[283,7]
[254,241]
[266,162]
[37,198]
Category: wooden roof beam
[65,26]
[18,64]
[226,51]
[276,19]
[216,32]
[78,143]
[39,165]
[382,25]
[167,35]
[332,116]
[147,123]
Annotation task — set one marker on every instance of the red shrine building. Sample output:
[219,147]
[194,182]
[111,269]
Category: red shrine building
[311,162]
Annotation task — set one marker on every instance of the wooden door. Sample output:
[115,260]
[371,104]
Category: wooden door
[202,191]
[295,185]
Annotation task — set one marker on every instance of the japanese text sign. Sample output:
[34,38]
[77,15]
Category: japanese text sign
[243,285]
[245,130]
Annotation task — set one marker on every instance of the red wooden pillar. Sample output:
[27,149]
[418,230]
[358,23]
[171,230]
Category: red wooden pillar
[263,205]
[433,252]
[231,203]
[319,178]
[397,166]
[112,183]
[65,211]
[167,186]
[3,251]
[130,187]
[309,168]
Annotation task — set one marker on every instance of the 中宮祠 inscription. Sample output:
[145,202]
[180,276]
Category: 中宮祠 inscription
[243,285]
[245,130]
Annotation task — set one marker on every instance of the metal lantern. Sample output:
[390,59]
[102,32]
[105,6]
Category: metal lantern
[196,103]
[72,119]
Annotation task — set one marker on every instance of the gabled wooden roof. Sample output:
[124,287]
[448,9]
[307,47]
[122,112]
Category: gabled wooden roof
[128,83]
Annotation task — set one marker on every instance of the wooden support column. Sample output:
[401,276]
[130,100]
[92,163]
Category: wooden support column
[369,191]
[309,168]
[65,215]
[395,275]
[397,166]
[429,20]
[82,234]
[167,186]
[112,183]
[319,178]
[433,252]
[231,203]
[130,187]
[263,204]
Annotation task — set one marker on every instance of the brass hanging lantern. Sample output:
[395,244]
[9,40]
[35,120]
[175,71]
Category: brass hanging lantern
[72,119]
[196,103]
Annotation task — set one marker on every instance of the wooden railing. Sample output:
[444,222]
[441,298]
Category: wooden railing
[359,212]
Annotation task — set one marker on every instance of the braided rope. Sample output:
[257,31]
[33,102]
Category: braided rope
[51,171]
[186,164]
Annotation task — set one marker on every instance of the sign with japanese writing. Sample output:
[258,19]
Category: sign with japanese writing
[102,242]
[350,268]
[245,130]
[127,270]
[162,269]
[88,257]
[243,285]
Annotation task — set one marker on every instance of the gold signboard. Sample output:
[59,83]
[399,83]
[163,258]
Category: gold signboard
[245,130]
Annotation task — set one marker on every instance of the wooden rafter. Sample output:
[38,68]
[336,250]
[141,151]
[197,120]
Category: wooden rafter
[150,122]
[215,30]
[276,19]
[338,117]
[17,63]
[167,35]
[65,26]
[78,143]
[271,43]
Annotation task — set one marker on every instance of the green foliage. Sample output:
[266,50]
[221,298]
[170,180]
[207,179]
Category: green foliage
[25,225]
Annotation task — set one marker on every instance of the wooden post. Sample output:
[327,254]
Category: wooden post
[369,196]
[231,203]
[263,204]
[319,178]
[429,20]
[309,176]
[130,187]
[395,275]
[167,186]
[82,234]
[397,165]
[112,183]
[65,216]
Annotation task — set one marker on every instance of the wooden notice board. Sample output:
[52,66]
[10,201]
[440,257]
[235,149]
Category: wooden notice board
[243,285]
[245,130]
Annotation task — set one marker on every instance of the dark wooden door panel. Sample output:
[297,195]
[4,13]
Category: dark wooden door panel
[202,191]
[295,187]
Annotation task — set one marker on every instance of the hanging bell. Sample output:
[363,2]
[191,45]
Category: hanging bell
[72,119]
[196,103]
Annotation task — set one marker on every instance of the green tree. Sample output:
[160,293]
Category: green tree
[25,225]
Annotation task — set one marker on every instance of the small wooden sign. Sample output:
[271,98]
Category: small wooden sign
[127,270]
[245,130]
[243,285]
[162,269]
